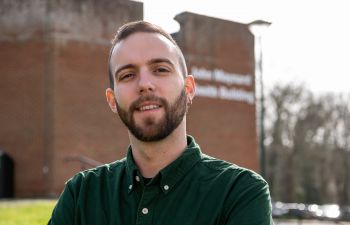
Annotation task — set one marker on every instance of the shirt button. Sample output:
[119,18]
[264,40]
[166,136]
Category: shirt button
[130,187]
[166,187]
[137,178]
[145,211]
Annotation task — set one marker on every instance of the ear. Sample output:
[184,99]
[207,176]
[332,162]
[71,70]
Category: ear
[111,100]
[190,86]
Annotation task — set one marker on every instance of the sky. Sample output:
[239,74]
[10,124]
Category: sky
[307,43]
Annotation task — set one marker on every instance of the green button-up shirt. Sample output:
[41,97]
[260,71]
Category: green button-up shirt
[195,189]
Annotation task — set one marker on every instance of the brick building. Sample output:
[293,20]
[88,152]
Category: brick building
[53,67]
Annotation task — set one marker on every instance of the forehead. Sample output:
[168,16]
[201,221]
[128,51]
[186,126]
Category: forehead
[141,47]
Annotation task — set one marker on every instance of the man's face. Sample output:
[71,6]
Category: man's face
[149,89]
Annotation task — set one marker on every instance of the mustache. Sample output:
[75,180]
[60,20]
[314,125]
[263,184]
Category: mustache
[145,98]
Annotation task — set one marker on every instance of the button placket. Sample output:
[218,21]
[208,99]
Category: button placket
[146,205]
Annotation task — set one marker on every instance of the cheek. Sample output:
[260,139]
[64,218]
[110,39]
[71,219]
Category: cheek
[176,87]
[174,84]
[123,98]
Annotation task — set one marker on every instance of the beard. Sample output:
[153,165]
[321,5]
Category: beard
[150,130]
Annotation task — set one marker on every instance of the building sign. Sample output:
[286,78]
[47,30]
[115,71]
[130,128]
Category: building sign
[220,85]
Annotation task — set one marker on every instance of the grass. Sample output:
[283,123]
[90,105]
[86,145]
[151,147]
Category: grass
[26,212]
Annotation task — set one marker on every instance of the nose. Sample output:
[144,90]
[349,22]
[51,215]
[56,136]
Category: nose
[146,83]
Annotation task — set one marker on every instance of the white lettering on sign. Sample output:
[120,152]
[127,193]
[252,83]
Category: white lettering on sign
[232,78]
[206,91]
[202,74]
[222,92]
[222,76]
[236,94]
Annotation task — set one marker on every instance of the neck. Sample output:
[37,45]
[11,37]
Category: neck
[151,157]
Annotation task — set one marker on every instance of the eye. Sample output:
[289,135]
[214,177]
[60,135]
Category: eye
[161,69]
[126,76]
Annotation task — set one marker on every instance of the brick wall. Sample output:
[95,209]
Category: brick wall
[224,124]
[53,67]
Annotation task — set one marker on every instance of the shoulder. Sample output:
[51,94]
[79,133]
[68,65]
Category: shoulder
[231,171]
[247,196]
[106,171]
[85,188]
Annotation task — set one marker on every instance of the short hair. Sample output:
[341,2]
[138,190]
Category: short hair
[137,27]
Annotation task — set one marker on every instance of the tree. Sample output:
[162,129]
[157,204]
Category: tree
[308,146]
[283,103]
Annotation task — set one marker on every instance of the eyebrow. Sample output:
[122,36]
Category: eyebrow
[150,62]
[160,60]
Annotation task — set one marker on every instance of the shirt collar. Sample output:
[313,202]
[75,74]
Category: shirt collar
[172,173]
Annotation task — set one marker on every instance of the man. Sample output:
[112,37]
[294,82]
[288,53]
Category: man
[165,178]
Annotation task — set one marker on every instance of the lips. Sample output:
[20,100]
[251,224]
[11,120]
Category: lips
[147,103]
[145,106]
[148,107]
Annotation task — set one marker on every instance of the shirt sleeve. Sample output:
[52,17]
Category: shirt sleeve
[250,203]
[64,211]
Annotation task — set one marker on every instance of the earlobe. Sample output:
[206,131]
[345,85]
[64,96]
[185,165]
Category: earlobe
[111,100]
